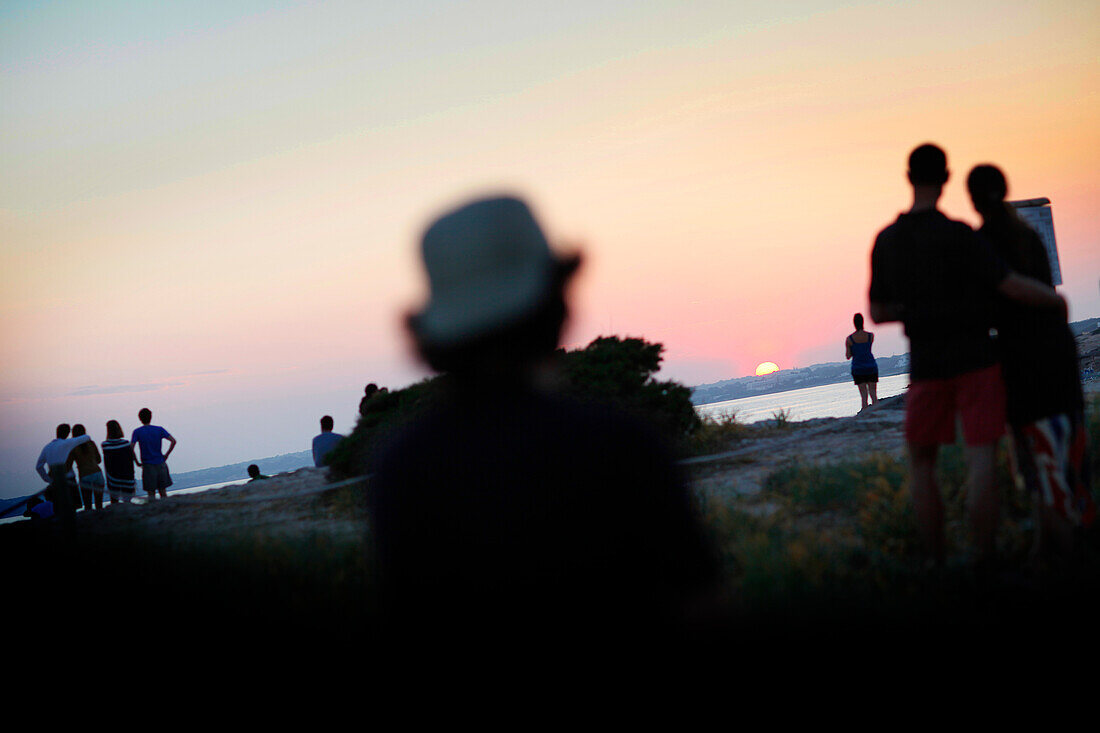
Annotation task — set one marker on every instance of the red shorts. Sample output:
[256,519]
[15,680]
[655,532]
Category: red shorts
[977,398]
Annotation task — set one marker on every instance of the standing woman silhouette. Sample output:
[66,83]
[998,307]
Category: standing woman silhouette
[1038,353]
[857,347]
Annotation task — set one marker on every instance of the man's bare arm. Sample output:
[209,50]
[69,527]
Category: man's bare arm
[172,445]
[1030,291]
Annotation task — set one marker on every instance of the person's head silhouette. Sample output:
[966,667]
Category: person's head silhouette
[254,471]
[326,424]
[63,430]
[928,166]
[497,303]
[987,187]
[145,415]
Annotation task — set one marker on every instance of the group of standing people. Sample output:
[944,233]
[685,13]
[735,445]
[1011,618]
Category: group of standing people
[95,473]
[990,347]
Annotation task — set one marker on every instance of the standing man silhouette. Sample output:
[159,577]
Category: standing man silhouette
[154,465]
[324,441]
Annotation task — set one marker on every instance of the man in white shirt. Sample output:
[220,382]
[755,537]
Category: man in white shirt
[55,466]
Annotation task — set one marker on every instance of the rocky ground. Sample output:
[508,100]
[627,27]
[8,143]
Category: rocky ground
[766,447]
[292,504]
[1088,349]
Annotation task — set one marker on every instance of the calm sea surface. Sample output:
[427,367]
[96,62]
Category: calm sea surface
[830,400]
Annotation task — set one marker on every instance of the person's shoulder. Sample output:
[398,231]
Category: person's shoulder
[960,228]
[890,231]
[951,229]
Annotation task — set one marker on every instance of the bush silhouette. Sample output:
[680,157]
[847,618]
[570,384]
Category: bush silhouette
[609,369]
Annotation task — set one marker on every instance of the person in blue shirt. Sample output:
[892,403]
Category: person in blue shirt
[324,442]
[857,347]
[154,465]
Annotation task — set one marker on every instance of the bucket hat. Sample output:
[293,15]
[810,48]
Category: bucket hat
[488,265]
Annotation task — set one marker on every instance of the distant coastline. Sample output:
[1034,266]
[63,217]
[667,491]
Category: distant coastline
[816,375]
[786,380]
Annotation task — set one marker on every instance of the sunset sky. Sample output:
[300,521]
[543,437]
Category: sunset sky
[212,209]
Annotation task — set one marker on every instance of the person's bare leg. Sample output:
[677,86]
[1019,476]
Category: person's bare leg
[862,396]
[982,498]
[927,503]
[872,388]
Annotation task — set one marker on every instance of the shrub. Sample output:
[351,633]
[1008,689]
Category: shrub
[620,370]
[386,411]
[609,369]
[715,433]
[782,418]
[818,487]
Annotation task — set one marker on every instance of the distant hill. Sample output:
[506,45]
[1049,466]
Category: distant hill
[1086,326]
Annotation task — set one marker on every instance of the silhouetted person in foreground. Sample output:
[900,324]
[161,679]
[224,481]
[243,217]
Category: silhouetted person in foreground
[857,347]
[507,514]
[254,474]
[155,477]
[325,441]
[1038,353]
[942,281]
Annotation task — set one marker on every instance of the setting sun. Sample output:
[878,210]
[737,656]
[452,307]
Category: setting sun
[767,368]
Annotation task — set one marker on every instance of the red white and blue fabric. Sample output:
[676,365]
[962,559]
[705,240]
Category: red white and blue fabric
[1053,460]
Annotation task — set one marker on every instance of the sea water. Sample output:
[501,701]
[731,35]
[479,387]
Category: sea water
[829,400]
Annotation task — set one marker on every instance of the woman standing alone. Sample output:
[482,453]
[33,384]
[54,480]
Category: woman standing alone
[857,347]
